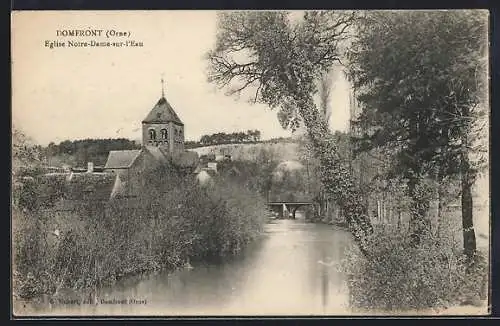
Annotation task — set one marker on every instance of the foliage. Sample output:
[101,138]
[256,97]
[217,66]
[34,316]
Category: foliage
[414,73]
[399,277]
[254,175]
[420,78]
[88,150]
[161,229]
[315,185]
[27,159]
[325,90]
[282,60]
[26,155]
[290,183]
[250,136]
[231,138]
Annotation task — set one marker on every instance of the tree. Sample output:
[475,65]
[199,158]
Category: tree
[266,161]
[85,150]
[27,159]
[25,154]
[421,80]
[256,135]
[204,140]
[281,60]
[325,89]
[314,186]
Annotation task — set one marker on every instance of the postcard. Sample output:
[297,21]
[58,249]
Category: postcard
[250,163]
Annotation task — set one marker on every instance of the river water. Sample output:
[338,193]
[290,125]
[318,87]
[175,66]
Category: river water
[293,270]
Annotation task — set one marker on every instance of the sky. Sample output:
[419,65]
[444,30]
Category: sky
[77,93]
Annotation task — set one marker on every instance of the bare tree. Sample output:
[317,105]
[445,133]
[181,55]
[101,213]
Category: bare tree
[282,60]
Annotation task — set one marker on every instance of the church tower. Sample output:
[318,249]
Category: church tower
[163,128]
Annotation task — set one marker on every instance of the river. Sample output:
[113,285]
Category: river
[292,271]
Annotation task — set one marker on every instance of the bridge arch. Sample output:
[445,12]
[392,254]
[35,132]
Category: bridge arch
[285,208]
[290,188]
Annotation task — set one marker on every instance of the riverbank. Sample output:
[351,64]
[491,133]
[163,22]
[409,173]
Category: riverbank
[289,269]
[79,250]
[341,224]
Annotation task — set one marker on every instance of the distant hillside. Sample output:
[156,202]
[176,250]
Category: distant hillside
[279,151]
[79,152]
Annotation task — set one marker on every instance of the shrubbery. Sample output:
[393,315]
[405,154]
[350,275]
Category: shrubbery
[398,276]
[170,223]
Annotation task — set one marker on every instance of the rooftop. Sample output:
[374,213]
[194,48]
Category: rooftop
[162,112]
[121,159]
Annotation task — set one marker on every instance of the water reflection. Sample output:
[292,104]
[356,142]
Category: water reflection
[293,270]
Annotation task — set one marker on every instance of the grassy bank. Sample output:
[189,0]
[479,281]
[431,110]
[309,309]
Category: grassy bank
[167,226]
[399,277]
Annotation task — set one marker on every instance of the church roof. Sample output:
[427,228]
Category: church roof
[162,112]
[121,159]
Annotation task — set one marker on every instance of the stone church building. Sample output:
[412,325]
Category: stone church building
[162,145]
[162,127]
[123,174]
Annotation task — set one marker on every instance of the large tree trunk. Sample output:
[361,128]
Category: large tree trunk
[420,201]
[420,223]
[440,209]
[469,236]
[336,177]
[467,179]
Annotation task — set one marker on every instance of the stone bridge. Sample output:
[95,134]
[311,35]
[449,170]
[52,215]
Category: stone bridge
[287,209]
[290,189]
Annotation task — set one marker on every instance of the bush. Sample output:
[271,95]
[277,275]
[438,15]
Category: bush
[162,229]
[43,261]
[400,277]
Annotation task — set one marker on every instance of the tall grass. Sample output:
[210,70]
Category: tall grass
[397,276]
[169,224]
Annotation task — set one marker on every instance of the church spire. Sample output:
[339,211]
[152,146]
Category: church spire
[162,86]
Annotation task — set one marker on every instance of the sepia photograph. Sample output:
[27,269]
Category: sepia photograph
[250,163]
